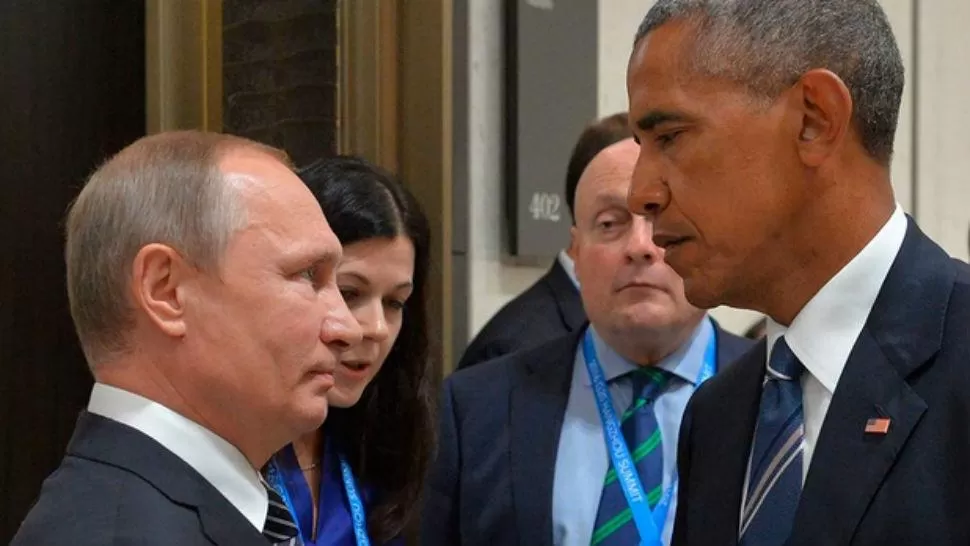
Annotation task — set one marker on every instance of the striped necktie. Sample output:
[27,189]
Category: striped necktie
[773,484]
[614,519]
[280,527]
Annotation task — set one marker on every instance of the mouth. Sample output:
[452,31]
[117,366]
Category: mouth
[355,367]
[324,376]
[635,284]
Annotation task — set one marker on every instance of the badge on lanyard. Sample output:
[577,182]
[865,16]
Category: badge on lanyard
[649,522]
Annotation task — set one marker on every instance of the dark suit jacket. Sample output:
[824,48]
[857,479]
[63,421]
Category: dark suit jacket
[911,363]
[117,486]
[548,309]
[500,422]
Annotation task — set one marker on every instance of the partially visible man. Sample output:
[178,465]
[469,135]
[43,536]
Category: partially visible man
[522,456]
[551,307]
[766,131]
[200,273]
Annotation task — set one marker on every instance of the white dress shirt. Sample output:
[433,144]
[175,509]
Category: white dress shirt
[824,332]
[218,461]
[567,263]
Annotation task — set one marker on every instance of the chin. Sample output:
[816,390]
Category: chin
[312,415]
[702,293]
[658,310]
[340,397]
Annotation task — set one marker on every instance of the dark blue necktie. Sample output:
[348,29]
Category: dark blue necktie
[614,519]
[774,481]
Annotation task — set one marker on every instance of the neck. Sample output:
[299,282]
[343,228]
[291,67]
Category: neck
[309,455]
[649,347]
[825,237]
[309,449]
[139,374]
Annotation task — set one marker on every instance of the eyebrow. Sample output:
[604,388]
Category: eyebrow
[364,280]
[657,117]
[329,258]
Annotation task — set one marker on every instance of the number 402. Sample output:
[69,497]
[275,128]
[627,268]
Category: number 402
[545,206]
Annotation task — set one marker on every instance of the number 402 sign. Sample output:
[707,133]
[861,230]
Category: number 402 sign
[545,206]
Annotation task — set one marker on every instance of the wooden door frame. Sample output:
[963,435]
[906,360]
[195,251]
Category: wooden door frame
[183,65]
[395,94]
[394,102]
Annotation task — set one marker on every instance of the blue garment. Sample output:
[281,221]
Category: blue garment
[582,460]
[774,480]
[334,523]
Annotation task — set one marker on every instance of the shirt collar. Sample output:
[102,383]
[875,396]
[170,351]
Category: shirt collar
[685,362]
[825,330]
[569,266]
[218,461]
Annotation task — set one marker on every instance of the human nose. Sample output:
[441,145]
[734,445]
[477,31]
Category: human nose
[340,328]
[373,320]
[648,194]
[640,245]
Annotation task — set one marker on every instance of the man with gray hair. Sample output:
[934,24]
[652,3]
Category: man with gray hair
[766,133]
[200,274]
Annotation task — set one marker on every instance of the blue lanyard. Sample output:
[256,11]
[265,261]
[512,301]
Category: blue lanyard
[275,478]
[356,506]
[648,523]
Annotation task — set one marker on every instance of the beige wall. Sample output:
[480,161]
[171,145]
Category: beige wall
[943,116]
[931,143]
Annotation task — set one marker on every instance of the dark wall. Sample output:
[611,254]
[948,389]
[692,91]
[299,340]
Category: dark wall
[72,92]
[280,74]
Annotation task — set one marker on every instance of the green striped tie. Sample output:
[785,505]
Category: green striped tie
[614,520]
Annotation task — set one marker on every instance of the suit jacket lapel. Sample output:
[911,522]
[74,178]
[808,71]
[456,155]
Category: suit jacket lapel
[567,297]
[850,464]
[98,438]
[904,332]
[225,526]
[721,448]
[537,408]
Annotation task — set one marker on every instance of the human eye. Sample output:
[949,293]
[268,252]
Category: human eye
[665,140]
[349,294]
[309,274]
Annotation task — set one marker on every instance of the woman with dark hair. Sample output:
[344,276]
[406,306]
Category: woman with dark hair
[377,439]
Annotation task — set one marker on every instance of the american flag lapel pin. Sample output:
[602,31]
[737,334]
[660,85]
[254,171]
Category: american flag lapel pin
[878,425]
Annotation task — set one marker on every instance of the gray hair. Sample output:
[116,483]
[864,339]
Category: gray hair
[767,45]
[165,188]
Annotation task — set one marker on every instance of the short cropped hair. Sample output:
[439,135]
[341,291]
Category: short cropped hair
[766,45]
[598,135]
[165,188]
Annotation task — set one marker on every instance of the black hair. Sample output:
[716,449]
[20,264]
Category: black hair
[388,436]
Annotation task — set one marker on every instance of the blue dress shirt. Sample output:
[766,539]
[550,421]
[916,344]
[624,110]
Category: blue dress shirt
[582,460]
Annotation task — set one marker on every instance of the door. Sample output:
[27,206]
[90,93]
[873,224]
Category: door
[72,93]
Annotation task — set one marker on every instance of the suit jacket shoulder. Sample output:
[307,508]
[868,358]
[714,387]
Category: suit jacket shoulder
[546,310]
[499,425]
[118,486]
[92,503]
